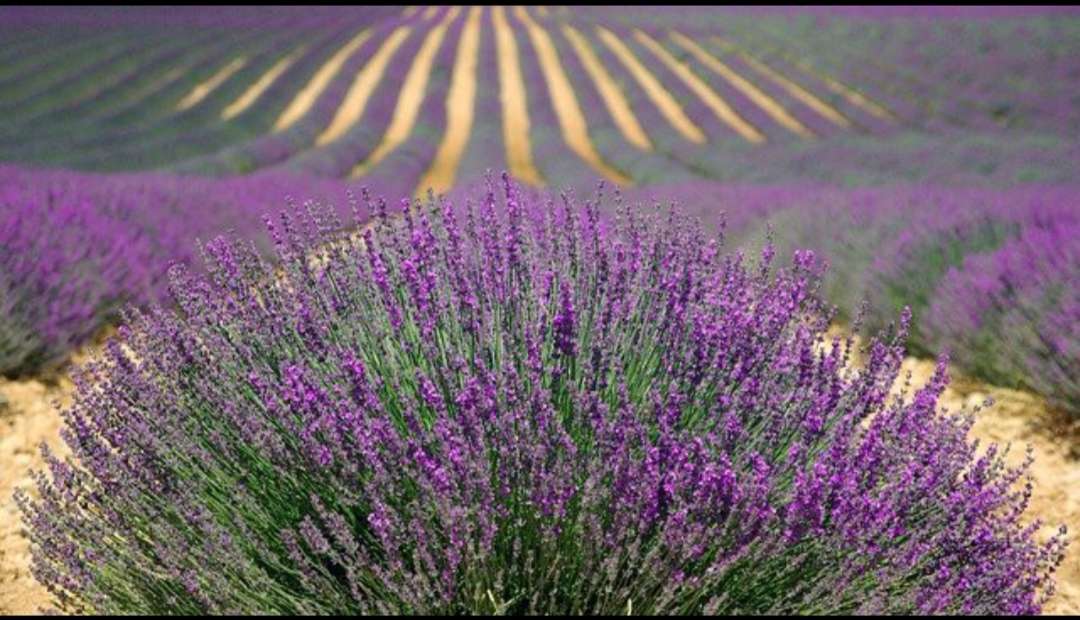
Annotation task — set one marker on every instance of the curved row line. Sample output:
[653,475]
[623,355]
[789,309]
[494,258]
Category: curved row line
[678,74]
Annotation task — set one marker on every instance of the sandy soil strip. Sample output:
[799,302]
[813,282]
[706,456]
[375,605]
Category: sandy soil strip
[140,95]
[798,92]
[367,80]
[661,98]
[156,86]
[410,11]
[613,97]
[460,109]
[411,96]
[306,98]
[515,107]
[853,96]
[252,94]
[430,13]
[203,89]
[850,94]
[575,131]
[721,108]
[744,86]
[28,419]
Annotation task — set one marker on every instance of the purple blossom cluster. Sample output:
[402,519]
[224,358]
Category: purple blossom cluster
[512,404]
[74,248]
[61,262]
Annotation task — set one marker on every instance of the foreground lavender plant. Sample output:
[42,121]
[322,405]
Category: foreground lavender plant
[518,409]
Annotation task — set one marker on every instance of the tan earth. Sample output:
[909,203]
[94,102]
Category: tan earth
[30,417]
[1024,419]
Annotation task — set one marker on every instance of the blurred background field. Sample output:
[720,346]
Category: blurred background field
[931,154]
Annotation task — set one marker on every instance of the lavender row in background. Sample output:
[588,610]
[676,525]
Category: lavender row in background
[990,274]
[74,248]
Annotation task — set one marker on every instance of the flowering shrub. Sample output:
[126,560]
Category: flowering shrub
[907,268]
[63,263]
[518,408]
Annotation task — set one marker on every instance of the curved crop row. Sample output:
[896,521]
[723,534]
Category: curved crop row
[75,248]
[1013,315]
[115,114]
[986,272]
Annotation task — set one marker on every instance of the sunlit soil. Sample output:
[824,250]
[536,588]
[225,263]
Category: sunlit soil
[575,131]
[621,111]
[771,107]
[253,92]
[306,98]
[203,89]
[721,108]
[460,110]
[411,96]
[661,98]
[367,80]
[514,98]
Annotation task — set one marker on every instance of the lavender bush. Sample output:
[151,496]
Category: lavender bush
[62,263]
[516,407]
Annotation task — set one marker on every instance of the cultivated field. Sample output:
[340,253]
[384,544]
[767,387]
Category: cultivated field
[927,156]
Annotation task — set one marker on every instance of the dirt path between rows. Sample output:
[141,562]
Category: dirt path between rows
[30,417]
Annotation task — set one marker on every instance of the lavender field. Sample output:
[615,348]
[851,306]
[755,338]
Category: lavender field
[539,309]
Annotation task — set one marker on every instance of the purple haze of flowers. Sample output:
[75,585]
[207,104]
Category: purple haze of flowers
[599,416]
[61,262]
[74,247]
[987,272]
[1014,313]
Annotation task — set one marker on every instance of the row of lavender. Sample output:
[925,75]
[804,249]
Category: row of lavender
[878,150]
[133,123]
[990,274]
[109,99]
[517,408]
[75,248]
[980,69]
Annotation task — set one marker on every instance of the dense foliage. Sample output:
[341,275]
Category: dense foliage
[517,406]
[1013,315]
